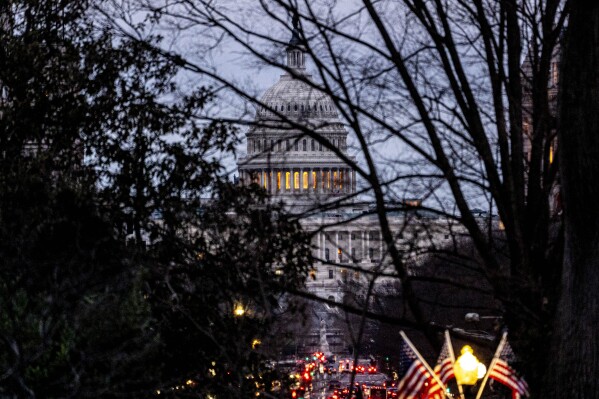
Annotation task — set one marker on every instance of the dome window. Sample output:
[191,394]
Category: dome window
[288,107]
[321,107]
[295,107]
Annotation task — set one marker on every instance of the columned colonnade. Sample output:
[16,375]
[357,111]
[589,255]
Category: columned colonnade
[349,246]
[302,179]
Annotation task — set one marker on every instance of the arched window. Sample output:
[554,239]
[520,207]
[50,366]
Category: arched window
[305,180]
[296,145]
[259,145]
[304,147]
[276,108]
[295,107]
[288,145]
[287,180]
[272,145]
[321,107]
[288,107]
[296,180]
[312,145]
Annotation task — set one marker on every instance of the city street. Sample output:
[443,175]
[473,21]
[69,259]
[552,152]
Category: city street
[320,385]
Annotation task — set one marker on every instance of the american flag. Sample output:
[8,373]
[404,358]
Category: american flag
[415,377]
[503,373]
[444,370]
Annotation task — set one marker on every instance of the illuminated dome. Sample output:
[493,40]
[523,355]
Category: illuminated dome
[293,148]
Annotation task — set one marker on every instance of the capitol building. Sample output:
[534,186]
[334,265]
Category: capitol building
[297,150]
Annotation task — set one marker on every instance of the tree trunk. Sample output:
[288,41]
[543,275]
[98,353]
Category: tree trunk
[575,349]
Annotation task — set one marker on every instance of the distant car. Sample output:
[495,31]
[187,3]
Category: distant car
[377,393]
[334,394]
[334,384]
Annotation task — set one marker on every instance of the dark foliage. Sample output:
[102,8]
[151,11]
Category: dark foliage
[123,247]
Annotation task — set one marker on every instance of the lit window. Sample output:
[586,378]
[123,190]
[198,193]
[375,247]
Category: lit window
[314,183]
[305,177]
[334,180]
[278,180]
[265,179]
[296,180]
[340,179]
[313,274]
[287,180]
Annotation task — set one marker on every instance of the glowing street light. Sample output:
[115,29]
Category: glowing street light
[239,310]
[467,368]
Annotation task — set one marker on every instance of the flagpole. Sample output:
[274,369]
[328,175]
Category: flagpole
[495,358]
[452,355]
[424,363]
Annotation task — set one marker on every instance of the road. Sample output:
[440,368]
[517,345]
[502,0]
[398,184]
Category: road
[320,384]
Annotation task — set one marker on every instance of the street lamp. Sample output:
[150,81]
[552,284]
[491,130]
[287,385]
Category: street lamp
[468,370]
[239,310]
